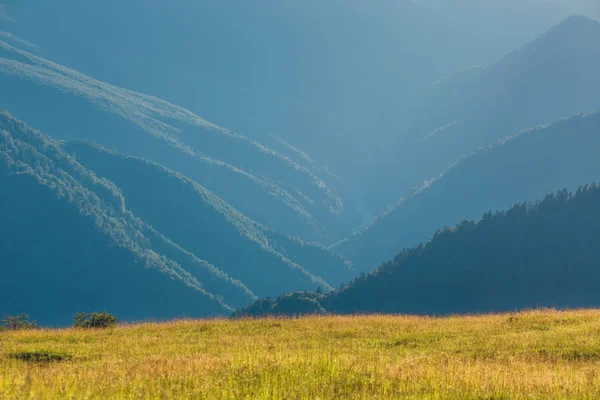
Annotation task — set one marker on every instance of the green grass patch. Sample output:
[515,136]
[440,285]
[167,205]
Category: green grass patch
[40,356]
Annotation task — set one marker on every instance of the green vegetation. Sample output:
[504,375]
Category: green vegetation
[530,355]
[40,356]
[17,323]
[95,320]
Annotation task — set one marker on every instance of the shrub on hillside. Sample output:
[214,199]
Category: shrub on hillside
[17,323]
[95,320]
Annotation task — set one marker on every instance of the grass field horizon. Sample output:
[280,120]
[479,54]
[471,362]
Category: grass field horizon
[522,355]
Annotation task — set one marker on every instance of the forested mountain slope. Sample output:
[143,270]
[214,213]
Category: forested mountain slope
[208,227]
[552,77]
[520,168]
[80,222]
[262,183]
[69,244]
[533,255]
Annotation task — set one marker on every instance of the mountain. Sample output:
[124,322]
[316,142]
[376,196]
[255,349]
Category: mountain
[521,168]
[259,77]
[262,183]
[327,77]
[71,230]
[541,254]
[211,229]
[552,77]
[69,244]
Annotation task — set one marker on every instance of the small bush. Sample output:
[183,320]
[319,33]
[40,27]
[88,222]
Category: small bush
[41,356]
[95,320]
[20,322]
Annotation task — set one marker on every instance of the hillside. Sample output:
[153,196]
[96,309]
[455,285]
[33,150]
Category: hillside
[552,77]
[522,168]
[211,229]
[68,243]
[533,255]
[262,183]
[104,207]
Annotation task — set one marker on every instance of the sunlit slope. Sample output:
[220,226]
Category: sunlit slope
[268,263]
[522,168]
[264,184]
[537,354]
[69,243]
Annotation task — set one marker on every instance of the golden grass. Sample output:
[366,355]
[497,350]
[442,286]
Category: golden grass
[530,355]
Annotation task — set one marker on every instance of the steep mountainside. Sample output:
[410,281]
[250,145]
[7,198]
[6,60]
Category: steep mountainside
[262,183]
[60,218]
[69,244]
[552,77]
[534,255]
[521,168]
[211,229]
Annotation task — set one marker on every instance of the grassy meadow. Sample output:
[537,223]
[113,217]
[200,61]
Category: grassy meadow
[529,355]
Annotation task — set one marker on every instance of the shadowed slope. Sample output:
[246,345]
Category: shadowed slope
[552,77]
[524,167]
[70,244]
[534,255]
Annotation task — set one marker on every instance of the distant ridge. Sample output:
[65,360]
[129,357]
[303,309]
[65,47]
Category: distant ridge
[550,78]
[521,168]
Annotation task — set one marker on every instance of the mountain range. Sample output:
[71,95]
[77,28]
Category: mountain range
[549,78]
[468,165]
[327,77]
[155,212]
[264,184]
[520,168]
[69,230]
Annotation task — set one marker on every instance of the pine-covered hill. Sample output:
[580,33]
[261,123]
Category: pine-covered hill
[262,183]
[68,243]
[521,168]
[552,77]
[542,254]
[205,225]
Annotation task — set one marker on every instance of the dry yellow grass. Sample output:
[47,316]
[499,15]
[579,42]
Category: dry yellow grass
[537,354]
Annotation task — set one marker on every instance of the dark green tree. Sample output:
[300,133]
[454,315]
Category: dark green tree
[16,323]
[95,320]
